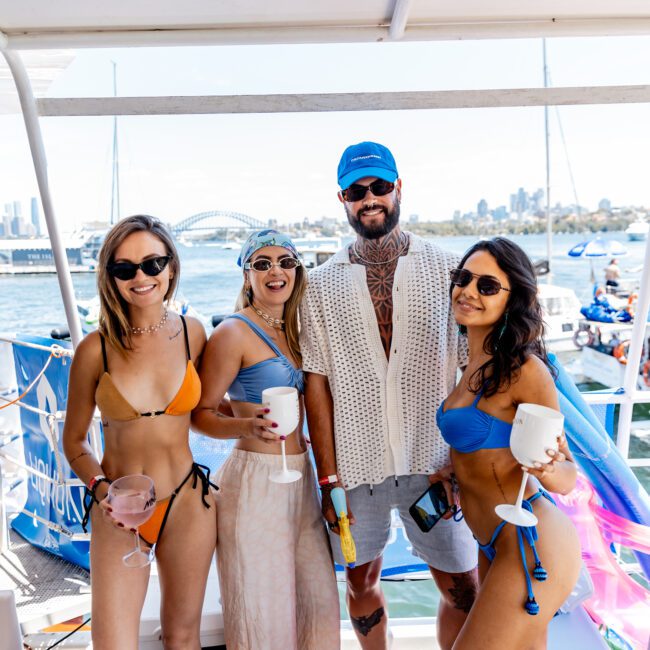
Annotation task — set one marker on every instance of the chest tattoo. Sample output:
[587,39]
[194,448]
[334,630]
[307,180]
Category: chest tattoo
[381,264]
[380,281]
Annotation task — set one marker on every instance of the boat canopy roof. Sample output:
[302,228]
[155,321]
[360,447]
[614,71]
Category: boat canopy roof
[39,24]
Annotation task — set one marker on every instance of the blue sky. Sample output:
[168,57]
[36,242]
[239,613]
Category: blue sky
[284,166]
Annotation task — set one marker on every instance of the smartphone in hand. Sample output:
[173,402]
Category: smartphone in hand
[430,507]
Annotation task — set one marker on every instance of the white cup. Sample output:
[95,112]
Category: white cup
[535,430]
[284,408]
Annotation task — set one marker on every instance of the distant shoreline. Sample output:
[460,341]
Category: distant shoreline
[592,223]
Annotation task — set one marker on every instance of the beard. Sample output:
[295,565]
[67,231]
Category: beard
[374,231]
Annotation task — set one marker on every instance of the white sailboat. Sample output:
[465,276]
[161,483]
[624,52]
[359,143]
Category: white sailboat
[70,24]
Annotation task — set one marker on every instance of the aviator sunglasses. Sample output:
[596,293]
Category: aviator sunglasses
[262,264]
[486,284]
[127,270]
[357,192]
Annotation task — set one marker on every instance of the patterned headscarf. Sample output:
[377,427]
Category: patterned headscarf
[264,238]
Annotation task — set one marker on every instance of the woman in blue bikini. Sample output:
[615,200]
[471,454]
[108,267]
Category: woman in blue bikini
[278,587]
[526,573]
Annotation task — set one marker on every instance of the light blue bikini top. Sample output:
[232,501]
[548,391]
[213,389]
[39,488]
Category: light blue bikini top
[278,371]
[469,429]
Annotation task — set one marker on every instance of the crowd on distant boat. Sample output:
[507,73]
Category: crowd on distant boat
[408,363]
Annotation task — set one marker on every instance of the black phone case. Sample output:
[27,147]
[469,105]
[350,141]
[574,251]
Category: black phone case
[441,495]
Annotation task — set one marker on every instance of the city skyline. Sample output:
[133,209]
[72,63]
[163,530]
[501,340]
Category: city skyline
[283,166]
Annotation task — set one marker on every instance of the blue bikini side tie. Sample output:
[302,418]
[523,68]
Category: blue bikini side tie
[529,533]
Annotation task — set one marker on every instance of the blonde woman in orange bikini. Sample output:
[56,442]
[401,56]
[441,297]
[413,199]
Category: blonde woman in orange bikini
[139,370]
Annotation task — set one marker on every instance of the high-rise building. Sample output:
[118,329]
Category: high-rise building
[605,205]
[537,201]
[18,209]
[36,222]
[17,226]
[482,208]
[9,210]
[6,222]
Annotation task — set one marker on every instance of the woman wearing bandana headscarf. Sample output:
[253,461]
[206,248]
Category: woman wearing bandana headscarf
[278,587]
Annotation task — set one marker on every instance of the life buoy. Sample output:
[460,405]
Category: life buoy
[620,352]
[646,373]
[583,337]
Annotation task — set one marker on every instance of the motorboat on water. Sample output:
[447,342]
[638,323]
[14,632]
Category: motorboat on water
[70,25]
[562,317]
[637,230]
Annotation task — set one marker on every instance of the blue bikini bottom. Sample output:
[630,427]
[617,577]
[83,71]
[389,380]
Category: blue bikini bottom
[528,533]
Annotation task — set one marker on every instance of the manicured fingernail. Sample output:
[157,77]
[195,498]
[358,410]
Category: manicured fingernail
[109,509]
[283,437]
[133,530]
[537,465]
[275,424]
[120,524]
[267,410]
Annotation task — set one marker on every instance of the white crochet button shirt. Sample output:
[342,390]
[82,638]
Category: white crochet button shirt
[384,410]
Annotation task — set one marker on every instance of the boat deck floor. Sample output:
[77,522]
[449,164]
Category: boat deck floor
[48,590]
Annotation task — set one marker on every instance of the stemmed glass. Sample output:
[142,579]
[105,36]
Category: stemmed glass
[133,500]
[285,410]
[535,430]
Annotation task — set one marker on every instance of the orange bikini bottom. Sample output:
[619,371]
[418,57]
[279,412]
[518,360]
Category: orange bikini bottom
[151,531]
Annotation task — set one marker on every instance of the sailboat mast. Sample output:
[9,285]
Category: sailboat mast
[549,219]
[115,181]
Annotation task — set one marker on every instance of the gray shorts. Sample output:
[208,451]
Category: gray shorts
[449,546]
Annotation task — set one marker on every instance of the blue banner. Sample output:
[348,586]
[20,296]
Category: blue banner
[54,503]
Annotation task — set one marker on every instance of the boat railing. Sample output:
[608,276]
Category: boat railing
[618,397]
[57,479]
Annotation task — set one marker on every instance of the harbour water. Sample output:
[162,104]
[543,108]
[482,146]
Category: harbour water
[210,281]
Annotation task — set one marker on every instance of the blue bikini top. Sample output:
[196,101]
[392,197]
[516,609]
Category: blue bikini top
[467,428]
[278,371]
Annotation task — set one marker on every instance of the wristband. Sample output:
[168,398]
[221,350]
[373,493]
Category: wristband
[94,482]
[327,480]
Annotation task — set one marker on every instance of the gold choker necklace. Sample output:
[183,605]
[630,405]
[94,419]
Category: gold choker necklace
[150,329]
[276,323]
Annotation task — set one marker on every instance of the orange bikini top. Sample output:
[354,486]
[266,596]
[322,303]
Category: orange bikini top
[114,405]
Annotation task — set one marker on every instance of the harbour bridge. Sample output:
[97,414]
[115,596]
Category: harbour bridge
[216,220]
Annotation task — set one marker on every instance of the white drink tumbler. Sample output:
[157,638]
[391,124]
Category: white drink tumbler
[284,407]
[535,430]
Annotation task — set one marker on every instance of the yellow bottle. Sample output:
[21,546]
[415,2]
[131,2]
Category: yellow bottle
[348,548]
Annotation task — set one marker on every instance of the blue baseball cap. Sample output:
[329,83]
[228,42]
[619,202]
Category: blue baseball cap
[366,159]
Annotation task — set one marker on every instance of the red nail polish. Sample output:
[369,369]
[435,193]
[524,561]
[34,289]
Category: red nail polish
[275,424]
[133,530]
[120,524]
[267,410]
[283,437]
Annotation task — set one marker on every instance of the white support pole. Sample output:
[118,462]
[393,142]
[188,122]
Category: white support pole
[634,358]
[35,137]
[399,20]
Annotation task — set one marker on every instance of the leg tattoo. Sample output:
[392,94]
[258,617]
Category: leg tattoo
[464,591]
[363,624]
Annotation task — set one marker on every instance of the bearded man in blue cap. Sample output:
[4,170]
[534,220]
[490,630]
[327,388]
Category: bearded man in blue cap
[381,352]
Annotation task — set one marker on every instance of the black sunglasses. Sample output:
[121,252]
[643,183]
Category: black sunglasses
[127,270]
[262,264]
[486,284]
[357,192]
